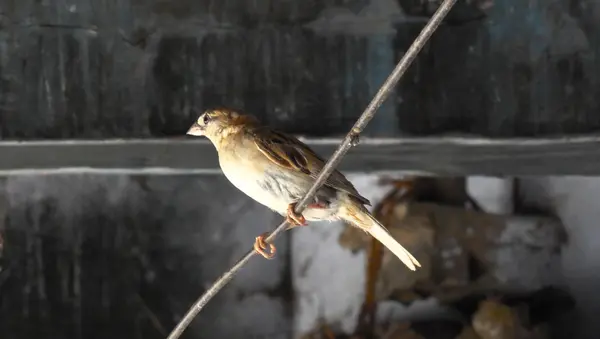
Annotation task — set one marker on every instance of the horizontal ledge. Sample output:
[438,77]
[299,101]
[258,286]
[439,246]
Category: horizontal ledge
[433,155]
[346,24]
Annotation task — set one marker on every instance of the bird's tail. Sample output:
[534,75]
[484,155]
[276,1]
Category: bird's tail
[359,216]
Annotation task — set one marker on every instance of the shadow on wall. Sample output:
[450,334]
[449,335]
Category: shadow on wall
[116,256]
[576,201]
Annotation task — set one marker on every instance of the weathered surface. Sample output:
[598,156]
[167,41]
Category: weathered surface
[124,257]
[521,255]
[493,195]
[575,201]
[101,69]
[452,156]
[466,252]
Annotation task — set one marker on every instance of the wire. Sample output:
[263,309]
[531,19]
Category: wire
[350,140]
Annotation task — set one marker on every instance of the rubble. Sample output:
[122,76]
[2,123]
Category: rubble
[464,251]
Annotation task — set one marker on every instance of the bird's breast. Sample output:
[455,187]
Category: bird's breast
[269,187]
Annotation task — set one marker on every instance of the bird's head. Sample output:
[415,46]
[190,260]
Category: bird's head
[216,124]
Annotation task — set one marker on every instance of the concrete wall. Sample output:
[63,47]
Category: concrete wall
[97,256]
[100,69]
[117,256]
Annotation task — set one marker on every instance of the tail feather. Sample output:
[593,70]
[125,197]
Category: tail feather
[379,232]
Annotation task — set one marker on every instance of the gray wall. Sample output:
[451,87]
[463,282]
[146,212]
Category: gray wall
[124,257]
[99,69]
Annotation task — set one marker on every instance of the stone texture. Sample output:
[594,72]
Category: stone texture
[124,257]
[101,69]
[575,201]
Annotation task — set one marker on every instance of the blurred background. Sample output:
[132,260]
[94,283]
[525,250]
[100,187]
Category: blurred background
[93,245]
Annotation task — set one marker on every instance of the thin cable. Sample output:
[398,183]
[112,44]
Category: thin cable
[349,140]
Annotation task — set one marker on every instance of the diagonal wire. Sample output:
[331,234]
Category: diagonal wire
[350,140]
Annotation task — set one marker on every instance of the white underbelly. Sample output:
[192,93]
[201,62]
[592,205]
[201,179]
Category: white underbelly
[248,182]
[275,191]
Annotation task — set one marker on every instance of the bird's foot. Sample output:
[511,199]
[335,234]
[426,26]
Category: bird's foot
[293,218]
[260,246]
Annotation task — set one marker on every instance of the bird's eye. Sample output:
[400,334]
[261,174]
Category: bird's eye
[205,119]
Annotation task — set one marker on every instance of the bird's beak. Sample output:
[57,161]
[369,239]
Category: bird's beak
[196,130]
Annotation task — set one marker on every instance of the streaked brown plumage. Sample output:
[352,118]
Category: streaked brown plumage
[276,170]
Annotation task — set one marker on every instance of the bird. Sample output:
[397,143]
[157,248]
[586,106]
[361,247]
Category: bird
[276,170]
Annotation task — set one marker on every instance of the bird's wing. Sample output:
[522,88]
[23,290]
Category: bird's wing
[292,154]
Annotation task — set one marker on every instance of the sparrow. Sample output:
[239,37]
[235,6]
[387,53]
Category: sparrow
[276,170]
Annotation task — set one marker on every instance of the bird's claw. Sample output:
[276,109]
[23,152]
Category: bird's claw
[260,246]
[293,218]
